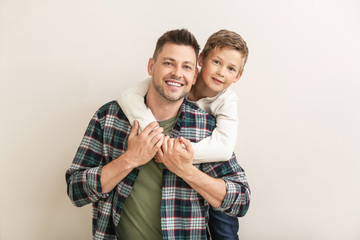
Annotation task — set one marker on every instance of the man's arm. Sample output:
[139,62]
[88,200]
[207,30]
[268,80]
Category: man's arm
[227,191]
[89,178]
[179,161]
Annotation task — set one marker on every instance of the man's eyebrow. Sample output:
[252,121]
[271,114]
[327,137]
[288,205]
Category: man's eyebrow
[190,63]
[169,59]
[173,60]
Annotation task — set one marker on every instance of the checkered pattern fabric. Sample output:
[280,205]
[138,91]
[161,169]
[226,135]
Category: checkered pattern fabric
[183,211]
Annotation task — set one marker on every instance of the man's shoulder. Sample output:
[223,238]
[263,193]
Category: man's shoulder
[112,105]
[193,109]
[198,118]
[111,108]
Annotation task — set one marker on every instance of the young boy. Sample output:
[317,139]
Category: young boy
[222,63]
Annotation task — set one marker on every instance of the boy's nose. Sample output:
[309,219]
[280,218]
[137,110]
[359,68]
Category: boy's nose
[220,71]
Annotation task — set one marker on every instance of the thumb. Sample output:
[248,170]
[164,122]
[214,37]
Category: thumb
[134,129]
[186,143]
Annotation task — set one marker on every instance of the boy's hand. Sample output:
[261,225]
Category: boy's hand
[143,147]
[174,156]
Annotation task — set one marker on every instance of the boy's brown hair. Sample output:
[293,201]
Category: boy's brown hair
[226,38]
[179,37]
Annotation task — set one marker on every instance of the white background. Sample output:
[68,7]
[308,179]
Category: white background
[299,101]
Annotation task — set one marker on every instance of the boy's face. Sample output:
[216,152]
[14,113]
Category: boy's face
[174,71]
[220,69]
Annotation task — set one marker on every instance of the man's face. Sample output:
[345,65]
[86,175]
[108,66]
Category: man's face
[174,71]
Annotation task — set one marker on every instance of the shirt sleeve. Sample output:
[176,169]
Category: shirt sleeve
[237,198]
[83,176]
[220,145]
[132,103]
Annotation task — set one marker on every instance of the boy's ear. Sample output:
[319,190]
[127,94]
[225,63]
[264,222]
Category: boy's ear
[237,77]
[196,75]
[150,66]
[201,60]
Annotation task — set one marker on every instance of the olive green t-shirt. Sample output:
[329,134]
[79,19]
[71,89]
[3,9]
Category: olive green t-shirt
[140,217]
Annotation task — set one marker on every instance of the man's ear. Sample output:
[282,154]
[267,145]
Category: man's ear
[237,77]
[151,66]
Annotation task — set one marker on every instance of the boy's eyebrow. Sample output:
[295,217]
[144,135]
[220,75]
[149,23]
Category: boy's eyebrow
[231,64]
[173,60]
[234,65]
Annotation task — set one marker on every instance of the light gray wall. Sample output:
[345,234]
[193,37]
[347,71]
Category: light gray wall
[298,102]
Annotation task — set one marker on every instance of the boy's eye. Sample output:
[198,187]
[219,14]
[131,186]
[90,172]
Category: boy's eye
[232,69]
[216,62]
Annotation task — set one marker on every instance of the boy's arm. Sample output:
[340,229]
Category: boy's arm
[220,145]
[132,103]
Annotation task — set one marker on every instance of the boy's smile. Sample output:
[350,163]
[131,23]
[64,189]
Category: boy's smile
[217,81]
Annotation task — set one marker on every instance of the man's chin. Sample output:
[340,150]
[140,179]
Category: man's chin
[174,99]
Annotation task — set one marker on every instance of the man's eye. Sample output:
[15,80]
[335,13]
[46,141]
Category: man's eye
[187,67]
[168,63]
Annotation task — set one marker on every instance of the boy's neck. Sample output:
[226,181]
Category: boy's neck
[200,90]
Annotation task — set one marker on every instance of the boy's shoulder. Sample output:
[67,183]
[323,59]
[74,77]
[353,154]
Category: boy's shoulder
[228,94]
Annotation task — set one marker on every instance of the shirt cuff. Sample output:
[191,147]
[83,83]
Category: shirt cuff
[93,176]
[230,197]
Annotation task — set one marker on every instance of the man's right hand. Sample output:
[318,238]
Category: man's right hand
[143,147]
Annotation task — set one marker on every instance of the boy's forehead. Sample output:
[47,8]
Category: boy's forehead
[218,49]
[228,53]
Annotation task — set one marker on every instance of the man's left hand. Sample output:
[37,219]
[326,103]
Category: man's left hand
[176,154]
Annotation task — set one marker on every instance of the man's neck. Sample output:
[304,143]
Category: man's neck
[162,108]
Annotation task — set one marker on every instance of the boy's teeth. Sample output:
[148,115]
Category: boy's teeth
[174,84]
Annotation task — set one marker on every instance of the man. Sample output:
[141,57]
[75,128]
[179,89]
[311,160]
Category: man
[114,163]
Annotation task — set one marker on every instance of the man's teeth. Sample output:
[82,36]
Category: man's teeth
[174,84]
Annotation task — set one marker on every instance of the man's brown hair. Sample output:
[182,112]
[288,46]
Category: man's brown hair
[179,37]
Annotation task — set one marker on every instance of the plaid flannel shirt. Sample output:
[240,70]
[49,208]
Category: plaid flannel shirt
[184,213]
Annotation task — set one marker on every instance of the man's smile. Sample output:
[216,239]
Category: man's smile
[173,83]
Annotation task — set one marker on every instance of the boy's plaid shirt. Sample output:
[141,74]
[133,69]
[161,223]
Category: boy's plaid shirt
[183,210]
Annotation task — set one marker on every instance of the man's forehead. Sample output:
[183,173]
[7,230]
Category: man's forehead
[176,52]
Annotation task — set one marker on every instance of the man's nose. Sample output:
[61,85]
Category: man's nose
[177,73]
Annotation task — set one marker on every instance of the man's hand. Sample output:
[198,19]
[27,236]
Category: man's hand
[177,155]
[143,147]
